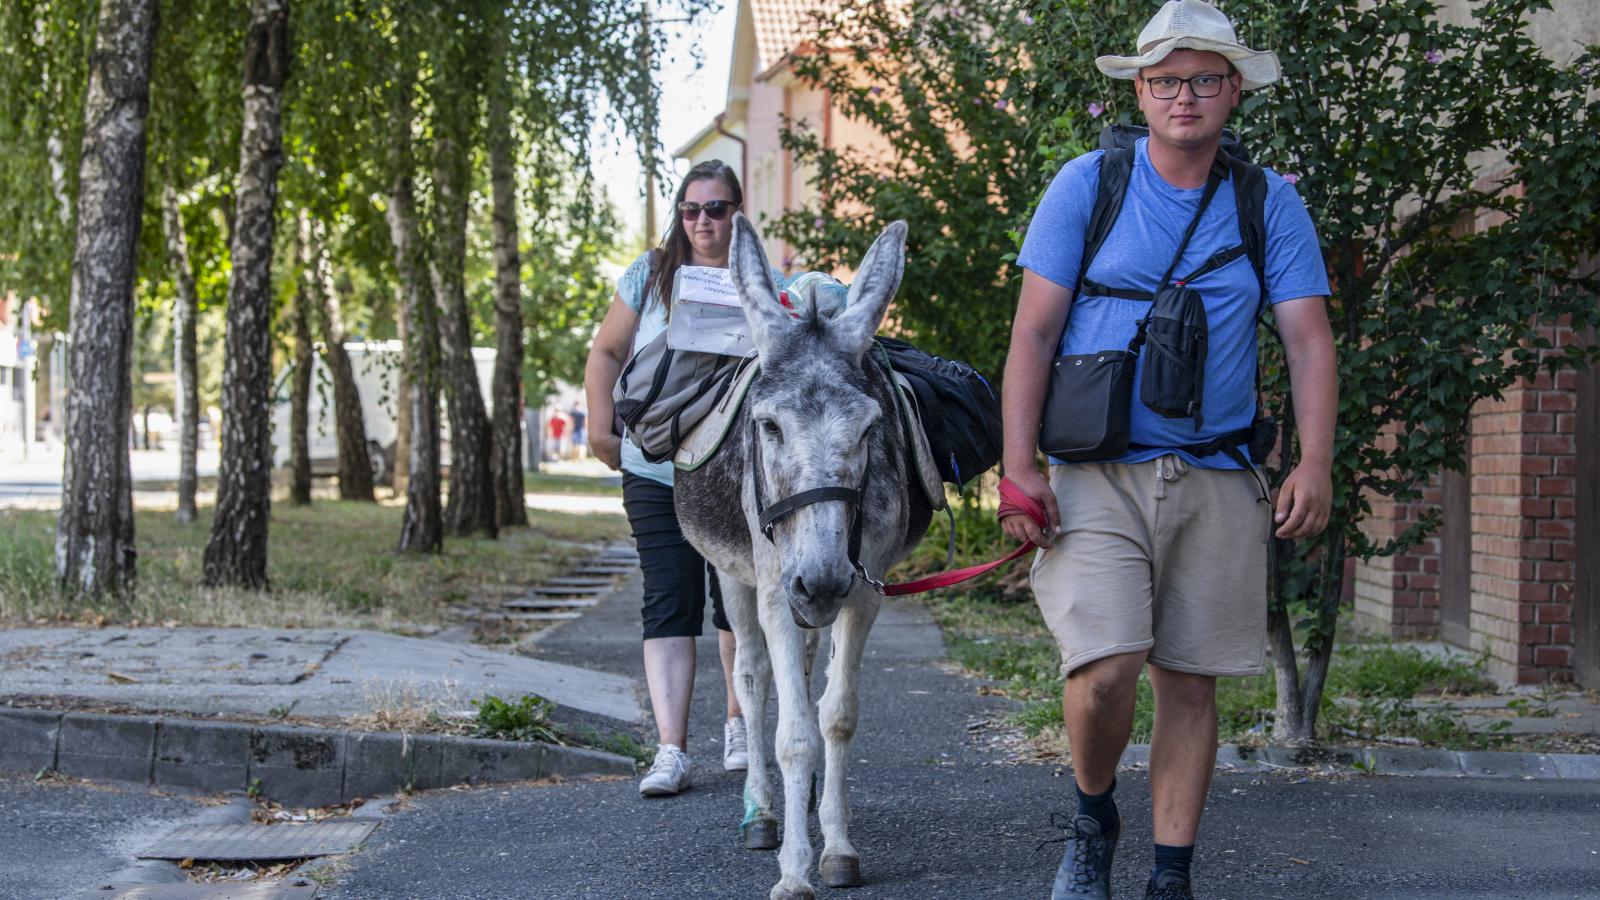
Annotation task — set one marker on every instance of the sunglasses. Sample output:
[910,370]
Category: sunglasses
[716,209]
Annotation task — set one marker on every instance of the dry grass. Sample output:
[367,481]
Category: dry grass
[331,565]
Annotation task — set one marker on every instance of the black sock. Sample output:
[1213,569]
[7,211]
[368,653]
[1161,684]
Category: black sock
[1171,859]
[1099,807]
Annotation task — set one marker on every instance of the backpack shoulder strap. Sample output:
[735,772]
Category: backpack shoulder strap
[1250,195]
[1116,167]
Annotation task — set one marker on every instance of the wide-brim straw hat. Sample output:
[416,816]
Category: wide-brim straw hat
[1193,25]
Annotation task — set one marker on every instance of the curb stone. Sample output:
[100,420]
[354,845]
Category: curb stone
[294,766]
[1396,761]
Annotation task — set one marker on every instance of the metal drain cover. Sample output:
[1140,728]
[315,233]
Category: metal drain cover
[260,842]
[294,889]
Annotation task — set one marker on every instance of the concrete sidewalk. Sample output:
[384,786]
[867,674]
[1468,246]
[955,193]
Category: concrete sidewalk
[329,675]
[281,710]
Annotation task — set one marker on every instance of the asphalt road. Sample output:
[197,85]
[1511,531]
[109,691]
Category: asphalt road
[937,813]
[58,839]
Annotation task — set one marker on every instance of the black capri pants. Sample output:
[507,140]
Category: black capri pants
[675,575]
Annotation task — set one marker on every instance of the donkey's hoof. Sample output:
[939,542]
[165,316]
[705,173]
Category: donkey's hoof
[759,834]
[840,871]
[791,890]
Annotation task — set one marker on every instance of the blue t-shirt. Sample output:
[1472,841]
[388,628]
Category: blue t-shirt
[652,321]
[1135,255]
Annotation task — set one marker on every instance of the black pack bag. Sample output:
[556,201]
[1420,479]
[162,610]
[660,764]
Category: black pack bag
[960,413]
[1086,407]
[1175,356]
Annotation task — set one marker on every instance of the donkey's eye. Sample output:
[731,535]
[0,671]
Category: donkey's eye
[771,428]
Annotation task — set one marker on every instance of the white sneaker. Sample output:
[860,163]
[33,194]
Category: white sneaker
[668,775]
[735,745]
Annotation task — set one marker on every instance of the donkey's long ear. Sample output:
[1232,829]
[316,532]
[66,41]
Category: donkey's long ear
[876,281]
[752,277]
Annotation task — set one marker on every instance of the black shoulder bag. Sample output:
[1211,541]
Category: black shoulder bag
[1087,406]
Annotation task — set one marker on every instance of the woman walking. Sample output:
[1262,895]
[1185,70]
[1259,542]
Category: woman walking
[676,579]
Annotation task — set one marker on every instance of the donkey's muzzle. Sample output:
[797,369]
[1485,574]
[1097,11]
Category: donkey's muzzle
[815,598]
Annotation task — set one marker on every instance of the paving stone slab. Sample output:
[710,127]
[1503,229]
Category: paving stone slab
[382,763]
[569,762]
[297,766]
[1507,765]
[120,748]
[1578,766]
[475,761]
[209,756]
[1420,762]
[28,739]
[550,603]
[326,673]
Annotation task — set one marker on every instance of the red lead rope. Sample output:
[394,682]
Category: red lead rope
[1012,502]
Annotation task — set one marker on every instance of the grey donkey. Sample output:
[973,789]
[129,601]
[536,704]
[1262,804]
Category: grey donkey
[819,425]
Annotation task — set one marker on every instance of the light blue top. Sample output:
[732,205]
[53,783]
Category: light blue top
[1136,254]
[652,321]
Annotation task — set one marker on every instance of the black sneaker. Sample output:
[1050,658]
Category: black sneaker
[1085,872]
[1168,885]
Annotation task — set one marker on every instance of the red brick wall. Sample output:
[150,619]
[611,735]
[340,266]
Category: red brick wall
[1399,596]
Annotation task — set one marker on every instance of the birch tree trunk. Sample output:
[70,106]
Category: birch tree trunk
[300,398]
[422,528]
[94,538]
[236,553]
[471,505]
[506,452]
[355,462]
[402,404]
[300,407]
[188,400]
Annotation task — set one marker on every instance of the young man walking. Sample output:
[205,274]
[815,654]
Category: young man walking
[1158,554]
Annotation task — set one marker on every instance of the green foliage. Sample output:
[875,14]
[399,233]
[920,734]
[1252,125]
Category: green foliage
[1449,168]
[525,719]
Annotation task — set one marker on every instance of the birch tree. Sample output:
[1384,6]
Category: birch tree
[236,553]
[94,538]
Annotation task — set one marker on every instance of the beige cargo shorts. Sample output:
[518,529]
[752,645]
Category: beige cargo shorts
[1159,556]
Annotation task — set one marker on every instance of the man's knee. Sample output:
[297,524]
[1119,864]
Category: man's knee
[1183,689]
[1107,681]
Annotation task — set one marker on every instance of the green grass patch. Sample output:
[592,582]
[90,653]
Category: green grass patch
[545,483]
[332,564]
[1371,687]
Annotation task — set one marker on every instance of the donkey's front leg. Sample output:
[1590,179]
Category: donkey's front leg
[799,746]
[752,672]
[840,710]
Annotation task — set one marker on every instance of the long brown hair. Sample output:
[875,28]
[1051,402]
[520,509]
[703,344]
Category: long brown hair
[674,249]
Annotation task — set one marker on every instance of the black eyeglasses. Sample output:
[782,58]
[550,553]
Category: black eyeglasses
[1168,87]
[716,209]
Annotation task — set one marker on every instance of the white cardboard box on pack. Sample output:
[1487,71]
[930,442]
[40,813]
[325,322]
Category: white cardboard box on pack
[706,316]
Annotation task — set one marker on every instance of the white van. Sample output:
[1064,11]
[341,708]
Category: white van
[376,365]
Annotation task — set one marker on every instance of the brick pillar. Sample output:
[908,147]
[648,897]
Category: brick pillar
[1522,522]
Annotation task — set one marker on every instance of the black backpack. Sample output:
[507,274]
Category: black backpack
[1250,196]
[959,411]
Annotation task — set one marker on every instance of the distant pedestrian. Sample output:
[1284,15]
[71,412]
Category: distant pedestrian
[558,433]
[1156,550]
[675,576]
[580,432]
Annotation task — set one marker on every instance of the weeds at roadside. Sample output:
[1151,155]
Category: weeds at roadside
[524,719]
[1372,692]
[331,565]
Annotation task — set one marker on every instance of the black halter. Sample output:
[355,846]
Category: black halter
[768,516]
